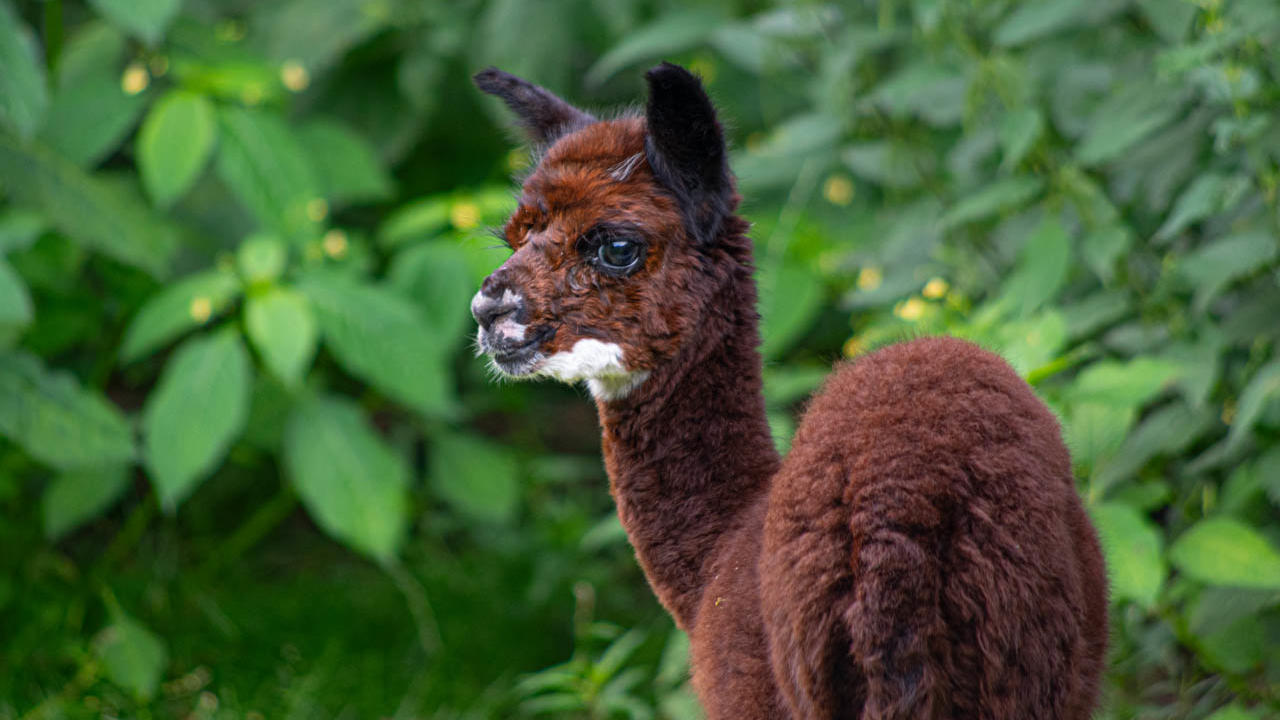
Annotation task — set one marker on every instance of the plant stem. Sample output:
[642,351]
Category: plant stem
[52,34]
[260,524]
[415,596]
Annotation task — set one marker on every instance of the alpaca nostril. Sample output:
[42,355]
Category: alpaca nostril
[487,310]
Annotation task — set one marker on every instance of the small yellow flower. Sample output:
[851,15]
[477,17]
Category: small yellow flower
[317,209]
[910,310]
[464,215]
[853,347]
[869,278]
[135,79]
[838,190]
[294,76]
[1228,412]
[335,244]
[935,288]
[201,308]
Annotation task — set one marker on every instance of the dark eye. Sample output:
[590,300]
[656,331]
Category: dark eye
[619,254]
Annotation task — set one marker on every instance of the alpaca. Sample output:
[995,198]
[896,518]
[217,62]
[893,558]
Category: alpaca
[921,552]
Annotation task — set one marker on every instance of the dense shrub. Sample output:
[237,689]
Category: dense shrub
[237,243]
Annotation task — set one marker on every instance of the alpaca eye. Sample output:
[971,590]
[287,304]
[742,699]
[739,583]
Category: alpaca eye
[618,254]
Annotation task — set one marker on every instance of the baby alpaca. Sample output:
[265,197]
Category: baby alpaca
[921,552]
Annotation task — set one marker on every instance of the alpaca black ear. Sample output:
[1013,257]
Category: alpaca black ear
[544,115]
[686,150]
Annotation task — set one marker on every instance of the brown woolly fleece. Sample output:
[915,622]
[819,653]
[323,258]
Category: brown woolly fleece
[921,553]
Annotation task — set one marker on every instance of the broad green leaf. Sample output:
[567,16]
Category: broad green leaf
[1262,389]
[282,327]
[184,305]
[347,168]
[1019,131]
[1101,248]
[145,19]
[19,229]
[352,484]
[94,48]
[175,144]
[1170,18]
[261,259]
[74,497]
[1123,384]
[934,91]
[1126,117]
[435,275]
[1224,551]
[995,198]
[790,298]
[1234,711]
[670,33]
[132,656]
[1167,430]
[1207,194]
[56,421]
[1094,431]
[90,116]
[787,384]
[15,301]
[261,160]
[315,33]
[1031,343]
[380,337]
[1132,546]
[476,477]
[23,98]
[1043,264]
[888,163]
[1036,18]
[1215,265]
[198,408]
[107,217]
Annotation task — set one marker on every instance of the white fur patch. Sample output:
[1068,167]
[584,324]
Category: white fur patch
[623,170]
[599,363]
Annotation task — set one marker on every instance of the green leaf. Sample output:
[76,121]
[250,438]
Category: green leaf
[283,329]
[1094,431]
[315,33]
[108,217]
[1132,547]
[1019,131]
[996,197]
[81,495]
[23,97]
[1223,551]
[90,116]
[1205,196]
[261,259]
[56,421]
[175,144]
[184,305]
[790,298]
[15,301]
[670,33]
[1234,711]
[436,277]
[1214,266]
[1166,430]
[19,229]
[346,165]
[888,163]
[1123,384]
[1101,248]
[198,408]
[261,160]
[476,477]
[379,336]
[1262,388]
[145,19]
[1043,264]
[132,656]
[934,91]
[351,483]
[1037,18]
[1126,117]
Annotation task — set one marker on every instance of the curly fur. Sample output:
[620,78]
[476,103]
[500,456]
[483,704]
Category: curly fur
[921,552]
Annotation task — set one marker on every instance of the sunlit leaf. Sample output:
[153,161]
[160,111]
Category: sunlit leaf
[1123,384]
[90,116]
[1224,551]
[145,19]
[1132,546]
[23,97]
[175,144]
[476,477]
[177,308]
[196,411]
[282,327]
[352,484]
[77,496]
[790,298]
[1042,268]
[261,259]
[1262,389]
[48,414]
[132,656]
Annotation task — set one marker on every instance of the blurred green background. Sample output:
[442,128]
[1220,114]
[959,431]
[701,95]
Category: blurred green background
[249,467]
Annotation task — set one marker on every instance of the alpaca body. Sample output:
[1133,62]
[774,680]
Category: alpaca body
[921,553]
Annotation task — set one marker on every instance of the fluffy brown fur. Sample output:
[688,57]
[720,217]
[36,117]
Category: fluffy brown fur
[921,553]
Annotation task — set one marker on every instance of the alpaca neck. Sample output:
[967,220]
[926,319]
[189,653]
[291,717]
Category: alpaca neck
[690,449]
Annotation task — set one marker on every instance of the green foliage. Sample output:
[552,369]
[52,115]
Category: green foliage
[238,243]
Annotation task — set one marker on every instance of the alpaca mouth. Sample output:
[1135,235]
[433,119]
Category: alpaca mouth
[523,358]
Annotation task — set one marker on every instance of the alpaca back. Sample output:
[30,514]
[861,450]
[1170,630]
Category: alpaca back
[925,554]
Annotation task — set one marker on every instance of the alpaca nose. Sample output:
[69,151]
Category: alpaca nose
[486,308]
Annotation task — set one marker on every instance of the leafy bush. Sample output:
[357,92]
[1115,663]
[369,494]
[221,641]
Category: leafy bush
[237,242]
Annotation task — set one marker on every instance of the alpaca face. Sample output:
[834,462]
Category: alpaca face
[606,250]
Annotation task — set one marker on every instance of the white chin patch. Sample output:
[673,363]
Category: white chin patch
[599,363]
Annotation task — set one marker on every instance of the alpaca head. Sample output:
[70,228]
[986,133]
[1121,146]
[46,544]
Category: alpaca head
[617,242]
